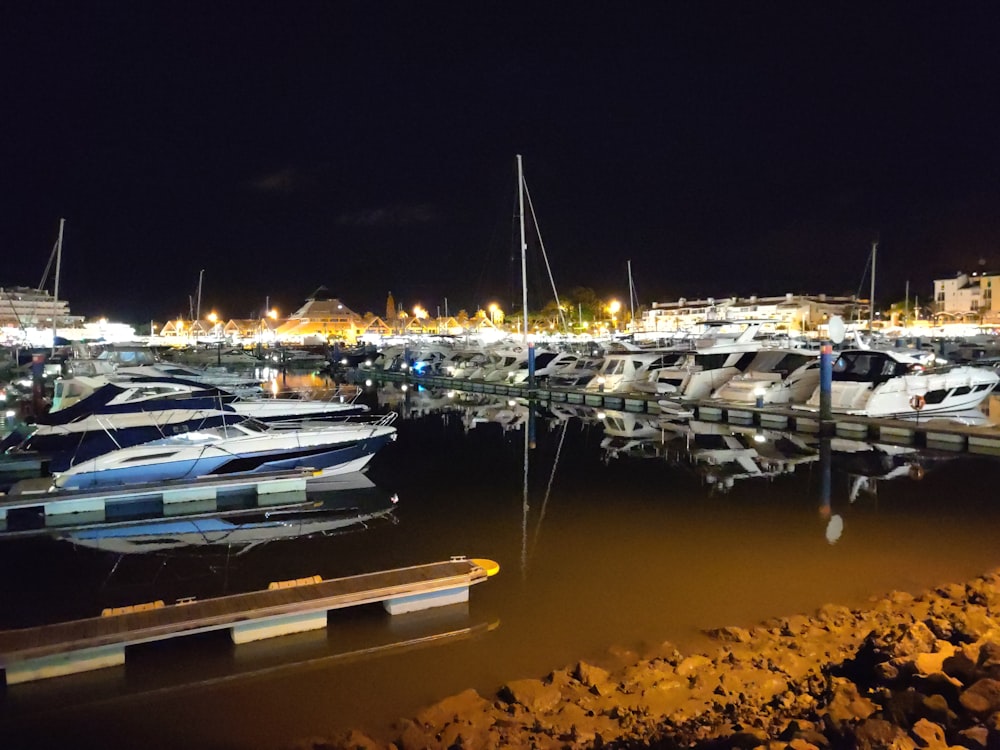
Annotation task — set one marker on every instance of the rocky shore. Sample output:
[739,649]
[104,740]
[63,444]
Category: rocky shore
[907,672]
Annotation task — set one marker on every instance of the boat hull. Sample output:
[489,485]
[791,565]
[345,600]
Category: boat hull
[326,460]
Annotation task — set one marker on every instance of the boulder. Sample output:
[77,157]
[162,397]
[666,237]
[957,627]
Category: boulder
[847,705]
[929,663]
[590,675]
[928,734]
[982,698]
[534,695]
[875,734]
[465,704]
[692,664]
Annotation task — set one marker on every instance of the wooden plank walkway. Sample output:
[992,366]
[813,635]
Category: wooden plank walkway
[50,650]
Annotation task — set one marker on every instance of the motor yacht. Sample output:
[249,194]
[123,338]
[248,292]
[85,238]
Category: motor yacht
[774,376]
[890,383]
[248,447]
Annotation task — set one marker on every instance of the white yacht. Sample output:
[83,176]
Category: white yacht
[890,383]
[724,349]
[774,376]
[622,370]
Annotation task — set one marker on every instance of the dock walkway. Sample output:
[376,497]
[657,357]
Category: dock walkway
[287,607]
[921,431]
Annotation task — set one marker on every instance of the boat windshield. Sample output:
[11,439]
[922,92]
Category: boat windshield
[867,367]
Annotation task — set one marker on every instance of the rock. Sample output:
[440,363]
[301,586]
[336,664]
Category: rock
[663,698]
[875,734]
[847,705]
[916,639]
[903,707]
[983,698]
[929,663]
[929,735]
[954,591]
[413,737]
[590,675]
[961,667]
[834,614]
[939,684]
[466,703]
[974,738]
[935,708]
[534,695]
[989,657]
[975,622]
[730,634]
[794,625]
[692,664]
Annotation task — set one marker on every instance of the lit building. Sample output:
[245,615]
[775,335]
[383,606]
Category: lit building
[23,307]
[966,297]
[321,319]
[790,313]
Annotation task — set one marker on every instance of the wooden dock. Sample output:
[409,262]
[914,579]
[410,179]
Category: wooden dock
[922,431]
[286,607]
[172,498]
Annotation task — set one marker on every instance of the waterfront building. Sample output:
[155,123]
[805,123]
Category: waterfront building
[966,298]
[321,319]
[792,314]
[24,307]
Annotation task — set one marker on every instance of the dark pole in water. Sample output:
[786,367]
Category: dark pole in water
[825,463]
[825,384]
[531,365]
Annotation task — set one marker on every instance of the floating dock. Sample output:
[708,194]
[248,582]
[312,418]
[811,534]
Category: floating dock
[922,431]
[285,607]
[204,494]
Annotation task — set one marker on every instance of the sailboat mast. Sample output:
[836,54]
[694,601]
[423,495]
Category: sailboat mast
[871,305]
[524,247]
[55,289]
[631,298]
[201,276]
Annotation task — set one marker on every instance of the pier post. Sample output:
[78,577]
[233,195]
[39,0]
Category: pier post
[826,387]
[531,365]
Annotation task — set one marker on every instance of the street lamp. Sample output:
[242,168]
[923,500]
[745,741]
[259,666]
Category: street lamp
[214,320]
[613,308]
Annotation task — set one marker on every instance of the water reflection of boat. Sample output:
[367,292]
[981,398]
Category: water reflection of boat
[630,434]
[323,514]
[868,464]
[723,454]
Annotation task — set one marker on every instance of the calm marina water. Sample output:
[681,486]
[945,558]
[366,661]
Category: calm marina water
[600,553]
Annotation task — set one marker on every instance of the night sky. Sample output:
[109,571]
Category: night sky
[724,148]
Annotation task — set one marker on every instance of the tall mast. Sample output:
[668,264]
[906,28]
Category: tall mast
[631,298]
[871,305]
[55,292]
[201,275]
[524,247]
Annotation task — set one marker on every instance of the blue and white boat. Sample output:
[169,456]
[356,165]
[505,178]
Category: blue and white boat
[92,435]
[248,447]
[79,396]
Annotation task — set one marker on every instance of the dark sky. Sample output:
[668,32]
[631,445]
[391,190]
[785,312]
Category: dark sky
[724,148]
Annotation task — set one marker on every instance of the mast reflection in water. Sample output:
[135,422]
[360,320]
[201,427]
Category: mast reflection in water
[616,530]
